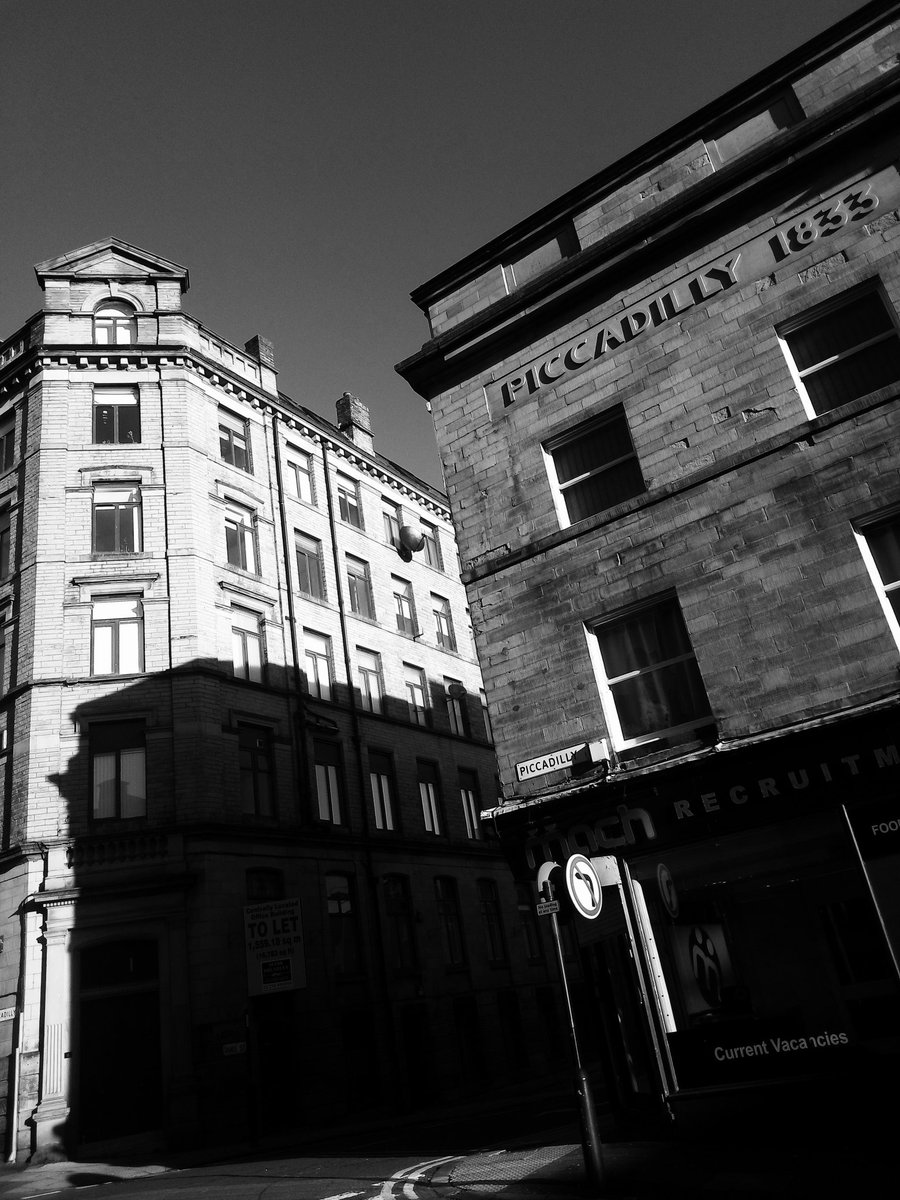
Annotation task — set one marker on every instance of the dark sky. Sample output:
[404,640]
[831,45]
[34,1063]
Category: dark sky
[312,161]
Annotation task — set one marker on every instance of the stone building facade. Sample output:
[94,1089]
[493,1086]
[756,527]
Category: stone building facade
[667,411]
[245,885]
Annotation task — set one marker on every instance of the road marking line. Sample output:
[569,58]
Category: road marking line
[408,1175]
[343,1196]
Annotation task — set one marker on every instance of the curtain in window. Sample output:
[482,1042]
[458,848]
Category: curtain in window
[104,766]
[652,697]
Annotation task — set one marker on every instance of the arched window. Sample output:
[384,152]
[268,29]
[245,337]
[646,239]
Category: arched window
[114,324]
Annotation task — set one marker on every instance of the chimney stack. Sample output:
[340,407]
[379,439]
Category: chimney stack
[353,420]
[261,348]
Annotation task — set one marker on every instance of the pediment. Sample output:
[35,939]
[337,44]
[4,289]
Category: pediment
[111,259]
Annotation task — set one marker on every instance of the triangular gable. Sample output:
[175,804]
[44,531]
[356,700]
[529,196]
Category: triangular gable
[111,259]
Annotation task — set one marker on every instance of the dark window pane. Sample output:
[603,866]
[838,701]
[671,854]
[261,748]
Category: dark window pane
[840,330]
[661,699]
[866,371]
[604,490]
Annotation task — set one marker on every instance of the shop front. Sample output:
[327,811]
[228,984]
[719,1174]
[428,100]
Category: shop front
[757,894]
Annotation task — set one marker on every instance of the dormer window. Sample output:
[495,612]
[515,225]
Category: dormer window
[115,324]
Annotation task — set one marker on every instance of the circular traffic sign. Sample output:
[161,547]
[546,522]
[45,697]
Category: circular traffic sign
[583,884]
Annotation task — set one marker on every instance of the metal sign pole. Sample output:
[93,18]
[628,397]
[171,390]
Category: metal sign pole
[590,1135]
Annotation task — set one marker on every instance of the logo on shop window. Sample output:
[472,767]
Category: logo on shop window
[705,966]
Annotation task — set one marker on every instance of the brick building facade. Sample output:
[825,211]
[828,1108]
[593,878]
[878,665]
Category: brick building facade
[245,885]
[667,412]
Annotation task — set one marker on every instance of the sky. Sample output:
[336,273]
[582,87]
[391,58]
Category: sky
[311,162]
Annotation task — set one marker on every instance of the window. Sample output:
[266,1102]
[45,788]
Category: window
[255,761]
[348,501]
[343,925]
[7,446]
[117,635]
[404,606]
[114,324]
[432,547]
[650,683]
[117,519]
[300,476]
[492,920]
[246,644]
[263,883]
[391,517]
[118,783]
[416,694]
[429,794]
[842,350]
[310,573]
[318,664]
[4,620]
[447,899]
[234,441]
[537,258]
[471,803]
[457,714]
[593,467]
[359,588]
[240,537]
[443,622]
[5,542]
[117,415]
[879,544]
[371,685]
[328,781]
[486,716]
[400,930]
[381,779]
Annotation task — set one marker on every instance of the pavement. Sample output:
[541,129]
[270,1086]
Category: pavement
[637,1170]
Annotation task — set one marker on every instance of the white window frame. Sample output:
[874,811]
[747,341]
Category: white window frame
[235,427]
[416,682]
[300,472]
[371,680]
[444,633]
[605,683]
[311,549]
[247,644]
[404,606]
[242,521]
[357,571]
[882,589]
[116,614]
[125,498]
[117,318]
[470,809]
[381,785]
[328,791]
[391,516]
[115,398]
[317,652]
[456,713]
[432,547]
[558,490]
[430,801]
[810,316]
[349,501]
[7,445]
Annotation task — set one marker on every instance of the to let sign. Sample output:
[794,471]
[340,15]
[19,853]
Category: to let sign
[274,939]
